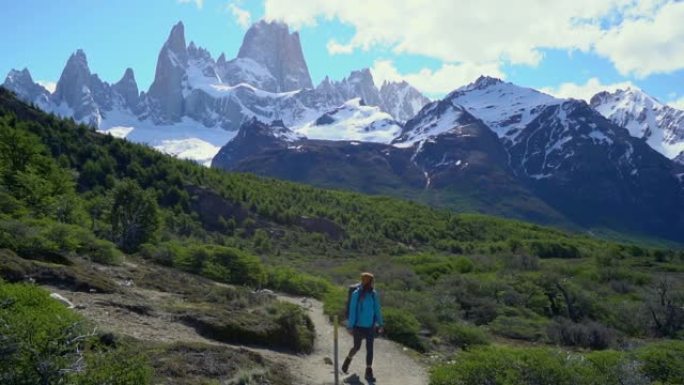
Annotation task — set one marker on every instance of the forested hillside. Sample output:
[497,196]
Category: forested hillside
[450,283]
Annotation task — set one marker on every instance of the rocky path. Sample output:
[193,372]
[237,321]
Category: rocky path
[394,364]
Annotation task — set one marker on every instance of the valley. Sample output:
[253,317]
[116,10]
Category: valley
[176,253]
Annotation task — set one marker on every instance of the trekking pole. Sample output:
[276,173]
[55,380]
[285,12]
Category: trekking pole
[335,354]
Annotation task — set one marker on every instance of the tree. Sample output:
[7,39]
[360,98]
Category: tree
[134,215]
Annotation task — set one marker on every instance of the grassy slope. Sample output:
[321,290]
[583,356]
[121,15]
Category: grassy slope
[447,280]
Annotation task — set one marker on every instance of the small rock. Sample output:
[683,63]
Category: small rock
[61,299]
[327,361]
[92,290]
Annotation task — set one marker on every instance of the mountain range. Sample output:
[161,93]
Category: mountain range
[196,103]
[615,163]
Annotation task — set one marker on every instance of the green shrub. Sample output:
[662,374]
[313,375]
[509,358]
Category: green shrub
[25,239]
[506,366]
[101,251]
[290,281]
[518,328]
[464,336]
[586,334]
[220,263]
[36,332]
[41,342]
[663,361]
[296,328]
[117,367]
[554,249]
[402,327]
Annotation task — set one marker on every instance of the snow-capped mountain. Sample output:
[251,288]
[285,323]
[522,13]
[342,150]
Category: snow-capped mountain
[23,85]
[645,117]
[582,164]
[401,100]
[196,104]
[502,148]
[354,120]
[490,146]
[504,107]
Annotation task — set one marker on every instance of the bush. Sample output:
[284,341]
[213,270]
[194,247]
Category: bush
[553,249]
[587,335]
[464,336]
[25,239]
[663,361]
[42,342]
[118,367]
[660,363]
[36,332]
[518,328]
[220,263]
[402,327]
[290,281]
[506,366]
[101,251]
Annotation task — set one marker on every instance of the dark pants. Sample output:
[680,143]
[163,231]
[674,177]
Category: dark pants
[360,334]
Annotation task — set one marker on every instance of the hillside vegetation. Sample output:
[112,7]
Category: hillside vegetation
[451,283]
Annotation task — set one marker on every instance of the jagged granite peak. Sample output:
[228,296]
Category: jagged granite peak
[74,80]
[176,41]
[127,88]
[221,61]
[22,84]
[82,92]
[660,125]
[271,45]
[360,83]
[484,81]
[165,96]
[401,100]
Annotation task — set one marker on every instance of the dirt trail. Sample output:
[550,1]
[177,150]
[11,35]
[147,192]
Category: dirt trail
[393,363]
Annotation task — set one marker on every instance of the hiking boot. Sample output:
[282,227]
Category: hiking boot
[369,375]
[345,365]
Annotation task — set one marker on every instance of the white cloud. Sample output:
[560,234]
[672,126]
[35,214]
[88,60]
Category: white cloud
[648,44]
[335,48]
[242,16]
[639,37]
[585,91]
[435,82]
[198,3]
[477,31]
[678,103]
[48,85]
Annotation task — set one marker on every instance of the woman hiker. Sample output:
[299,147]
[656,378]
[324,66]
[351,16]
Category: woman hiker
[364,317]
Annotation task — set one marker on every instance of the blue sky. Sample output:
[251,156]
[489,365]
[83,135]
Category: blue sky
[570,48]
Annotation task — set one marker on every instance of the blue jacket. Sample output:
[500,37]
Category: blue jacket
[365,314]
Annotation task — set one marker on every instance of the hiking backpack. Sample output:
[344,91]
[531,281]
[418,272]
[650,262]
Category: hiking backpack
[350,291]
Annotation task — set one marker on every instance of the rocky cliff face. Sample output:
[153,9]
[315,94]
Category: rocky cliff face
[165,97]
[127,89]
[272,46]
[26,89]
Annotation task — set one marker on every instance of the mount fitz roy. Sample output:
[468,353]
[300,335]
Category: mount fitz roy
[489,146]
[196,103]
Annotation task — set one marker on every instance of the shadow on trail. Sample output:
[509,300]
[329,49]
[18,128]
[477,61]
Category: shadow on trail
[354,379]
